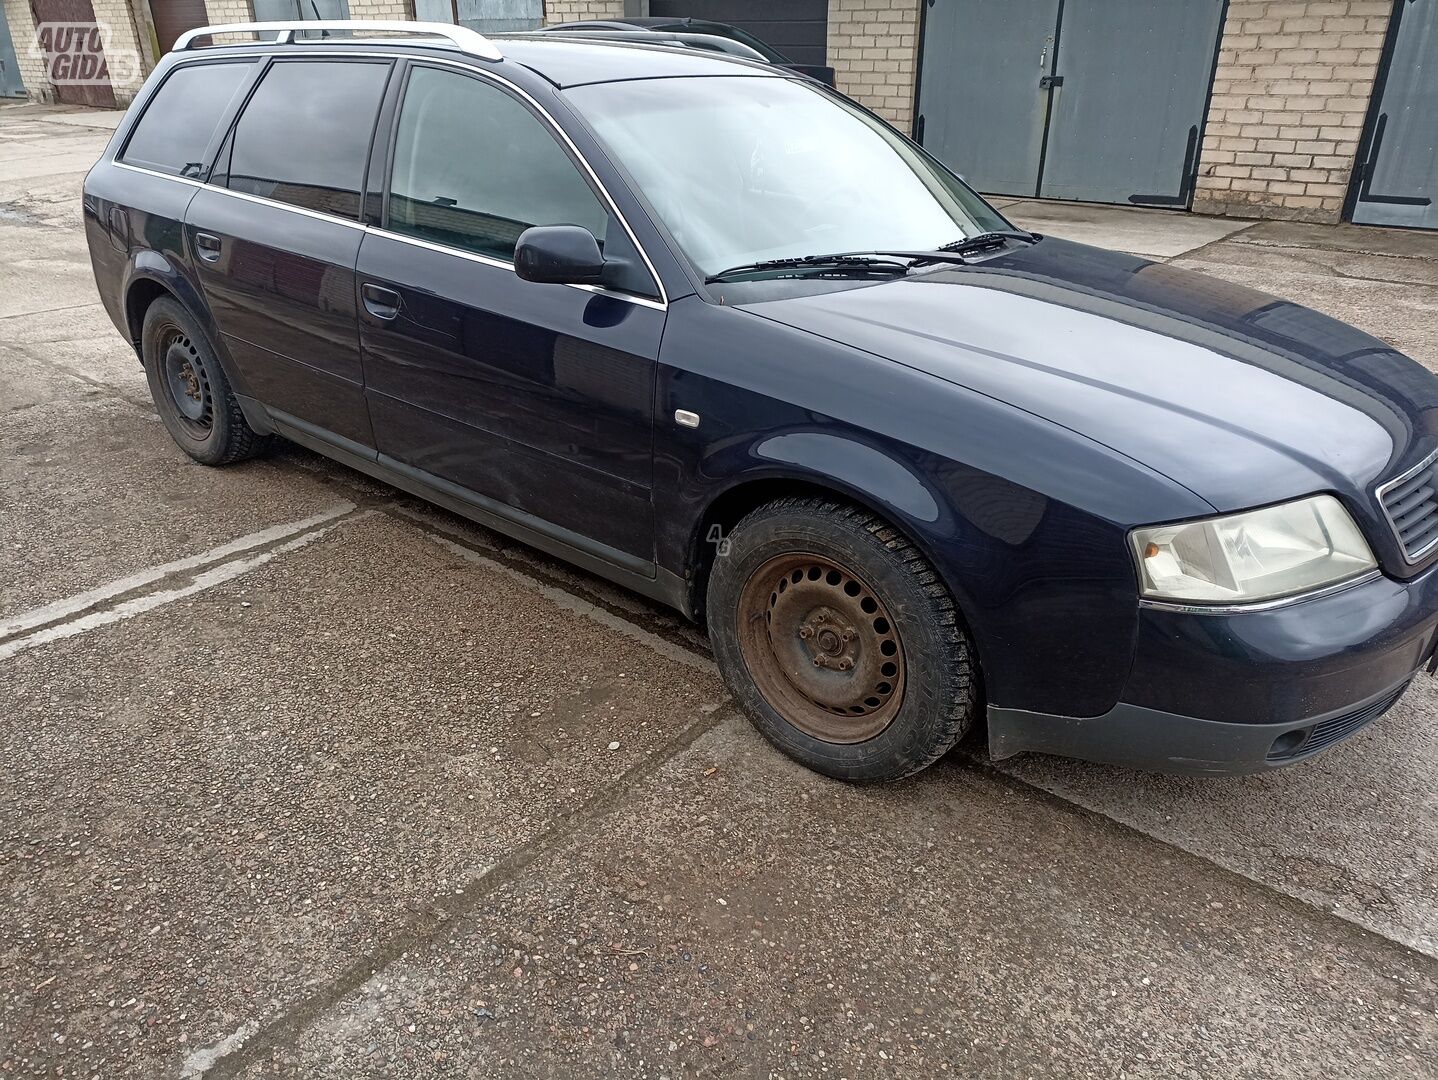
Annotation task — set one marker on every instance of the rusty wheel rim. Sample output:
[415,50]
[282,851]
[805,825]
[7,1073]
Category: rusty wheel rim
[187,381]
[822,648]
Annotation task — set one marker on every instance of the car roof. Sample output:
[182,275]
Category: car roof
[562,62]
[567,62]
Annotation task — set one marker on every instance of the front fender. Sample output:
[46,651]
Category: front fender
[1025,521]
[863,469]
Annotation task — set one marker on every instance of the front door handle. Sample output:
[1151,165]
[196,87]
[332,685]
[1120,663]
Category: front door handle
[208,245]
[380,302]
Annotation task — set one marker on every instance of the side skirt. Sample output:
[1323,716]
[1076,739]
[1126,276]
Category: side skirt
[640,576]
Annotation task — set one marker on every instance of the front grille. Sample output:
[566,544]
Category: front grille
[1336,728]
[1411,505]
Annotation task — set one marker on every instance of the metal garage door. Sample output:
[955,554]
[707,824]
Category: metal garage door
[1097,100]
[797,28]
[173,17]
[10,84]
[1398,180]
[96,92]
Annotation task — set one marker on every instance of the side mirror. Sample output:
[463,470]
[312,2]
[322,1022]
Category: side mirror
[559,255]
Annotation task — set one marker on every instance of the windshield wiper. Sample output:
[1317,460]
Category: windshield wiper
[993,238]
[861,262]
[900,262]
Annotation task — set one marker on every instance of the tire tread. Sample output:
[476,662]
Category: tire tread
[956,716]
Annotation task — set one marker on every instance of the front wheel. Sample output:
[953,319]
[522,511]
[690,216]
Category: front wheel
[840,641]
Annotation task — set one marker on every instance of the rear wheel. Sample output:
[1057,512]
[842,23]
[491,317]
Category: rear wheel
[840,641]
[190,390]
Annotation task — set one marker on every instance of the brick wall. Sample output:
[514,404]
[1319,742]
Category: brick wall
[232,11]
[128,58]
[394,10]
[873,48]
[558,11]
[1289,99]
[220,12]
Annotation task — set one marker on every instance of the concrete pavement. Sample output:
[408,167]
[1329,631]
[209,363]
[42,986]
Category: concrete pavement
[304,777]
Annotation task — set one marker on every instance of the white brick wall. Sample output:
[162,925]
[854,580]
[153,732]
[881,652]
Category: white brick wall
[1289,98]
[220,12]
[558,11]
[873,48]
[393,10]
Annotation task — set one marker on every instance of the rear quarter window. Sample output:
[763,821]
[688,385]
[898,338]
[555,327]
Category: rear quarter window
[180,119]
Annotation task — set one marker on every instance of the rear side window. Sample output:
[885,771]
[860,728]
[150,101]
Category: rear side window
[304,136]
[473,168]
[180,119]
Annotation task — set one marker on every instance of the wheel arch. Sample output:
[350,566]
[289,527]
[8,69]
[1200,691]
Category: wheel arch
[152,276]
[729,506]
[142,292]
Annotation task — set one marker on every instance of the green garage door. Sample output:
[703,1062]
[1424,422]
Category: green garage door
[1398,180]
[1096,100]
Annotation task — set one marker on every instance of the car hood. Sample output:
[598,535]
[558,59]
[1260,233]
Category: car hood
[1243,398]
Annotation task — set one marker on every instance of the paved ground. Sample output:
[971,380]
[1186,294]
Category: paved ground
[303,777]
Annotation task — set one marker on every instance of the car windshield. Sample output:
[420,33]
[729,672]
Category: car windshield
[748,169]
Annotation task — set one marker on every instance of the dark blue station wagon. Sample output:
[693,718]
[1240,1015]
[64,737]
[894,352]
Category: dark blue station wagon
[709,329]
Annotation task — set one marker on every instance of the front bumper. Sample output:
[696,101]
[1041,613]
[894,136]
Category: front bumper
[1249,691]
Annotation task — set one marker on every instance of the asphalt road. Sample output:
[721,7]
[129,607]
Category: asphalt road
[303,777]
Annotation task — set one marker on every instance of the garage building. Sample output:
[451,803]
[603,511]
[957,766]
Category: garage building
[1316,110]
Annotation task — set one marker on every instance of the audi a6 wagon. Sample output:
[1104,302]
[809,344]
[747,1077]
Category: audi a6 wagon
[706,328]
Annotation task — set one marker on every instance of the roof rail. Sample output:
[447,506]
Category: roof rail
[467,40]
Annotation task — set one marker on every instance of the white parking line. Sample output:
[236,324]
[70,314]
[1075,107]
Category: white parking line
[202,1061]
[73,605]
[205,579]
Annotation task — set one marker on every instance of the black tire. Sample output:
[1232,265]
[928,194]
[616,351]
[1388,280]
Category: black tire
[191,392]
[865,570]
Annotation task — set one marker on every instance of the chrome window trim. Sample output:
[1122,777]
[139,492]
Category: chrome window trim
[1383,488]
[156,172]
[1182,608]
[662,304]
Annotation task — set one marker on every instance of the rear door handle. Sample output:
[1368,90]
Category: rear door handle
[380,302]
[208,245]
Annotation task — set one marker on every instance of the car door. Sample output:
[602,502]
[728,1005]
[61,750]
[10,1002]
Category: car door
[275,235]
[537,399]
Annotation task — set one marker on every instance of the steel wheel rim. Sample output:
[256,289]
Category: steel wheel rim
[822,648]
[187,381]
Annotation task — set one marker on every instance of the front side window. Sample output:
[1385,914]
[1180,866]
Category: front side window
[747,169]
[474,168]
[304,137]
[180,120]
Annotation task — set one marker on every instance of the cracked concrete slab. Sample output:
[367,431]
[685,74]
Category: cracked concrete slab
[188,823]
[1355,831]
[94,490]
[740,916]
[1156,234]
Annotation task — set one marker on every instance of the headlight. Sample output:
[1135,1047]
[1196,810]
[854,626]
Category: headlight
[1256,555]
